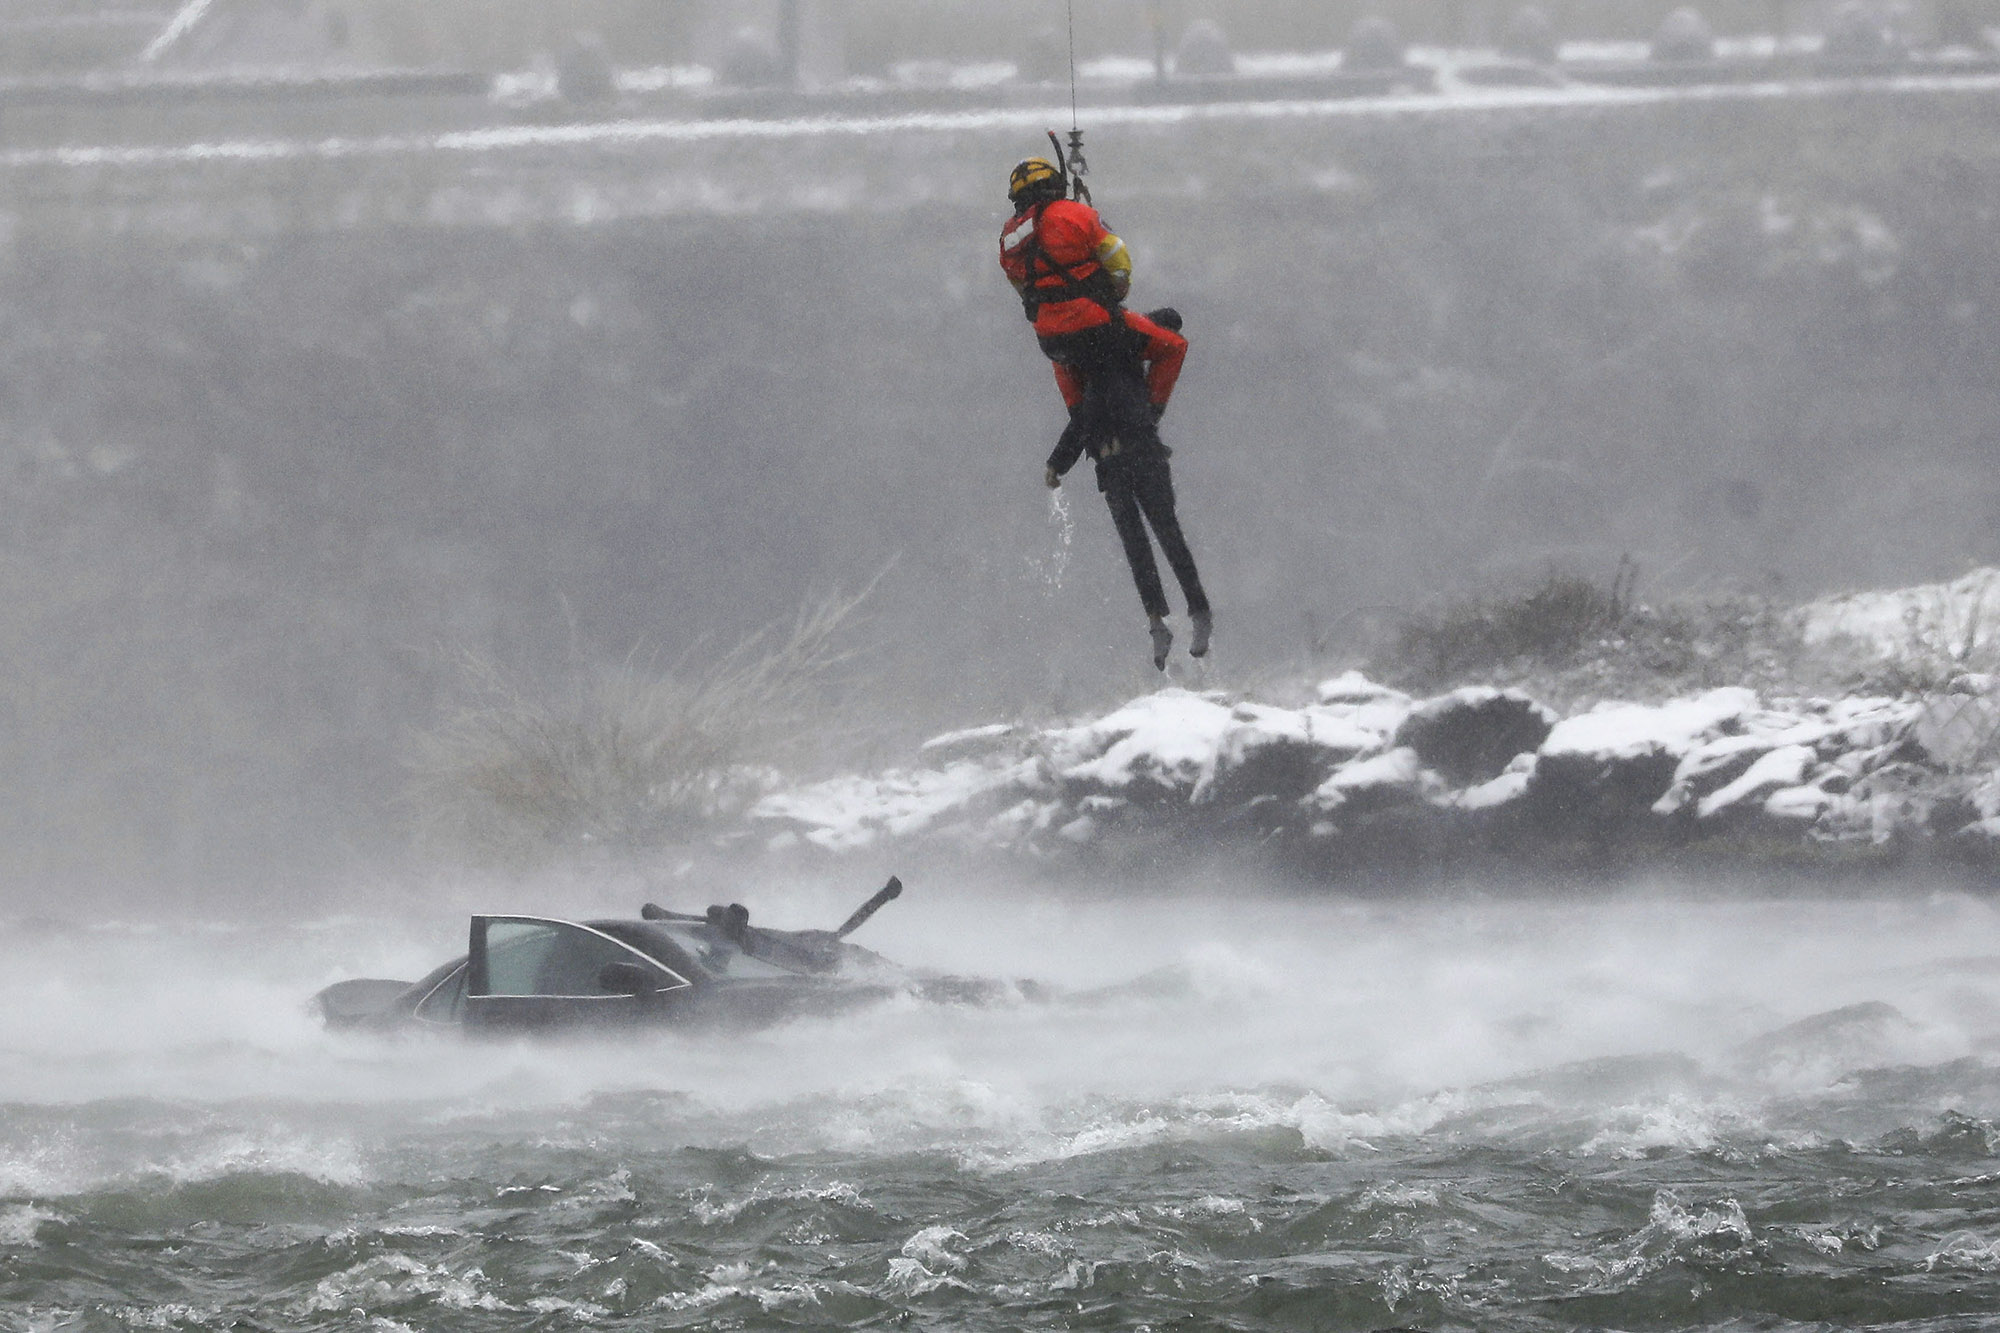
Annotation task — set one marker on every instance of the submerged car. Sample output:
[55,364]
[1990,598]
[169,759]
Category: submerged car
[534,973]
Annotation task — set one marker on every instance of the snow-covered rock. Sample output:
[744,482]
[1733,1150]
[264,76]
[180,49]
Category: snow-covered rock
[1351,687]
[1364,774]
[1157,747]
[1279,754]
[967,743]
[1709,767]
[1510,786]
[1385,779]
[1611,765]
[1798,805]
[1613,732]
[1472,734]
[1714,765]
[1785,766]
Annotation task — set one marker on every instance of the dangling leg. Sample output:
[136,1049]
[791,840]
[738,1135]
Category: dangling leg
[1153,492]
[1131,527]
[1113,416]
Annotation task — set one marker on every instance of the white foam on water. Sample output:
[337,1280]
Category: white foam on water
[1971,1251]
[347,1236]
[397,1279]
[20,1222]
[726,1281]
[907,1278]
[174,1314]
[334,1162]
[1674,1227]
[711,1214]
[935,1247]
[1389,1194]
[1679,1123]
[581,1312]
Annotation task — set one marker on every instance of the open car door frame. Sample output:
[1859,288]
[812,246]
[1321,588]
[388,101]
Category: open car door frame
[585,978]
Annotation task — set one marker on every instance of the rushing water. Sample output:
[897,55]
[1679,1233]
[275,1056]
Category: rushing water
[1637,1111]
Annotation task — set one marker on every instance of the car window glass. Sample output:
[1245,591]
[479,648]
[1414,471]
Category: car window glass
[553,958]
[445,1001]
[656,944]
[715,952]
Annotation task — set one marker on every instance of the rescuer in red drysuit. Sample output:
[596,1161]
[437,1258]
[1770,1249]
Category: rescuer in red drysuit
[1116,371]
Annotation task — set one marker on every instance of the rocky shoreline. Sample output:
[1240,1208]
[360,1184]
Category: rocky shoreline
[1363,780]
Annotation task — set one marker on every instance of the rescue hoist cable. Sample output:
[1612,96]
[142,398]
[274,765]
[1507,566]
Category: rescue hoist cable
[1072,66]
[1073,165]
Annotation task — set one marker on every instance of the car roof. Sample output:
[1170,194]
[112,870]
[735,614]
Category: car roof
[696,944]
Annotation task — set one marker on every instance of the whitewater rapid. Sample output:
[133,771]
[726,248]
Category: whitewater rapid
[1452,1109]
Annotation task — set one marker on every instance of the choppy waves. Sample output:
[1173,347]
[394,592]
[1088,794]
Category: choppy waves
[1266,1116]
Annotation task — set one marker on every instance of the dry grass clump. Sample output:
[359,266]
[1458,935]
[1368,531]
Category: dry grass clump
[1548,624]
[1684,646]
[1941,642]
[1571,642]
[626,760]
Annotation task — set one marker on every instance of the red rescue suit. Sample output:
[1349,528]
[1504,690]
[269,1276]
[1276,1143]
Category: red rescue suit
[1069,269]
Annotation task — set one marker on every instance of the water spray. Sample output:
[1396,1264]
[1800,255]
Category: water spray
[1057,565]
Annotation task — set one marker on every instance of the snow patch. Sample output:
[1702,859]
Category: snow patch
[1630,731]
[1956,618]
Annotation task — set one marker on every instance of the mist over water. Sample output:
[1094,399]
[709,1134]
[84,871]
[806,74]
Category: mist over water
[1362,1003]
[1471,1107]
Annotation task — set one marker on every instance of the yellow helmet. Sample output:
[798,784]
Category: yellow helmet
[1034,175]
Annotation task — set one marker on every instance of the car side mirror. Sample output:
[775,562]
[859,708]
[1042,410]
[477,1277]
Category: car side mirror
[624,979]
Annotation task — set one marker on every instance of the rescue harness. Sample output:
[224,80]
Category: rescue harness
[1096,284]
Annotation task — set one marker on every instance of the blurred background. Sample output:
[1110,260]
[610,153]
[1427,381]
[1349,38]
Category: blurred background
[835,39]
[345,342]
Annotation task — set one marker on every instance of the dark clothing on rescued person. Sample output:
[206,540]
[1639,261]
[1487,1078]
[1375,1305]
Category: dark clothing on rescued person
[1114,421]
[1107,382]
[1139,489]
[1157,343]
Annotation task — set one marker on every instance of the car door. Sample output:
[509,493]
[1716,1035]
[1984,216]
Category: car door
[526,973]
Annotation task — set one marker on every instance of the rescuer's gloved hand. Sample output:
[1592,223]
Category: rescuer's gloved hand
[1051,478]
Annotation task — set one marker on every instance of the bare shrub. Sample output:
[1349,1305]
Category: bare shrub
[1547,624]
[1572,643]
[1942,640]
[628,760]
